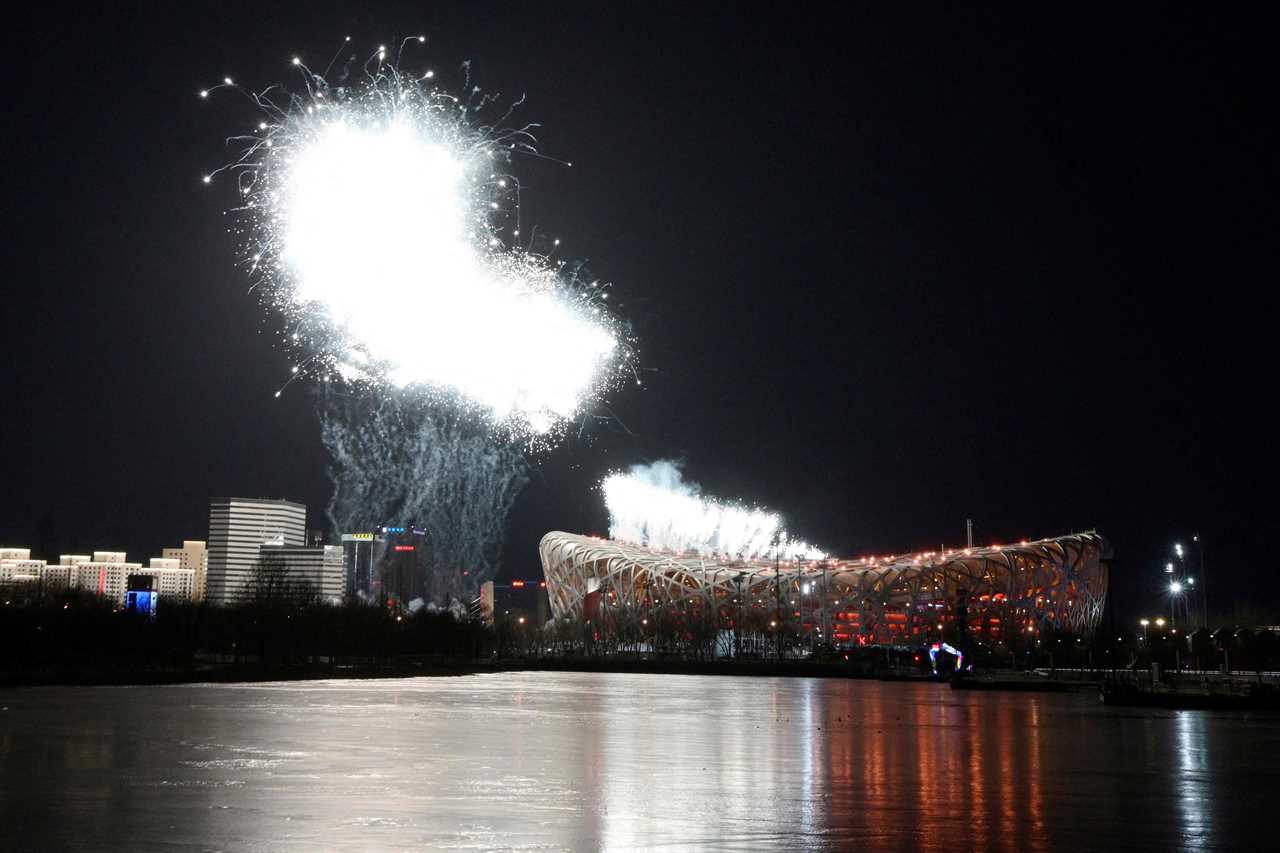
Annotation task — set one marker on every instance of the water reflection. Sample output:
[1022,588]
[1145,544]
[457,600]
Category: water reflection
[567,761]
[1192,779]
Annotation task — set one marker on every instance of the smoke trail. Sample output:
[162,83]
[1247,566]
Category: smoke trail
[404,459]
[654,505]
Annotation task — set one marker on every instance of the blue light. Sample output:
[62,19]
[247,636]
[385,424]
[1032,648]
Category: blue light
[141,601]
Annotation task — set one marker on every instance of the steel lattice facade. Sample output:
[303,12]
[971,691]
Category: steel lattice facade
[1057,584]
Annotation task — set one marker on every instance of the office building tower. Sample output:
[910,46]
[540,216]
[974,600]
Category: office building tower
[238,528]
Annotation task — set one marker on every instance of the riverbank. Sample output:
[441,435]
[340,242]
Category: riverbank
[257,672]
[1022,682]
[230,673]
[1205,694]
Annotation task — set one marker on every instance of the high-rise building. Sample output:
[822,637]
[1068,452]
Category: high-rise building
[192,555]
[106,573]
[390,566]
[238,528]
[17,567]
[321,568]
[63,574]
[361,552]
[170,580]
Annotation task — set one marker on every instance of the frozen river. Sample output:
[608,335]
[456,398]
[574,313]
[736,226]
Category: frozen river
[574,761]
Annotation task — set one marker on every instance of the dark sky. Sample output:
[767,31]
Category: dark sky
[890,268]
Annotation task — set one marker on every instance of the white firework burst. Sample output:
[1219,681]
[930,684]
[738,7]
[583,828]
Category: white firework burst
[380,219]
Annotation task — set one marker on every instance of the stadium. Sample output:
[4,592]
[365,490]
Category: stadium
[1056,585]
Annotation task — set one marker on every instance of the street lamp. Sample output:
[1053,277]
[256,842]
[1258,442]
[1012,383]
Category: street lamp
[1175,590]
[1144,623]
[1160,622]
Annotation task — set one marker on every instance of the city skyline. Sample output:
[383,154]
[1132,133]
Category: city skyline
[883,315]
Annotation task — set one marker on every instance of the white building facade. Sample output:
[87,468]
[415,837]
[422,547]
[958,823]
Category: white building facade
[104,573]
[193,555]
[170,580]
[17,567]
[238,528]
[322,567]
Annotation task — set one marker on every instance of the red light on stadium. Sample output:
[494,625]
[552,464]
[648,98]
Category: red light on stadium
[878,600]
[517,583]
[406,548]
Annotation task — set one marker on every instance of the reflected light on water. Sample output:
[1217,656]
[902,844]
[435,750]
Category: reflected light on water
[580,761]
[1192,779]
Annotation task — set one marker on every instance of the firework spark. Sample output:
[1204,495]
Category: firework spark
[378,217]
[653,505]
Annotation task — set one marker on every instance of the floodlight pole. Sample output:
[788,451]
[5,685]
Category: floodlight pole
[1204,580]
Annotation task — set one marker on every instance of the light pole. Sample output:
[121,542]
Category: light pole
[1175,591]
[1204,580]
[1144,623]
[1181,576]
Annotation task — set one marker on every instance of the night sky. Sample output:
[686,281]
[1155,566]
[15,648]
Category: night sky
[890,269]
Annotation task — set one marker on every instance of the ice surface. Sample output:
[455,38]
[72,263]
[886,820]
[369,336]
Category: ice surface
[580,761]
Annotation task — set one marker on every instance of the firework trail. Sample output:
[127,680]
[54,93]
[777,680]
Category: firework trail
[653,505]
[405,458]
